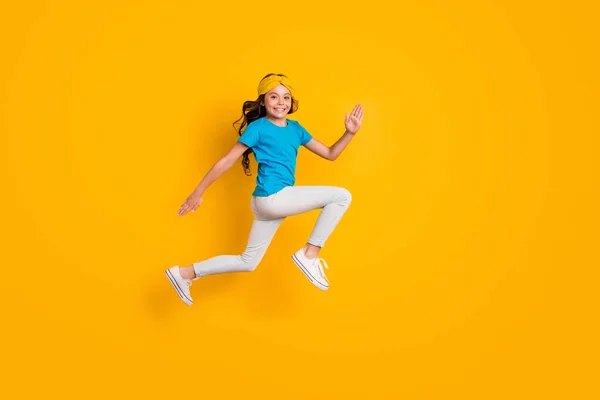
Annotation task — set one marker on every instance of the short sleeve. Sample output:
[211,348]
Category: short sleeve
[249,136]
[305,136]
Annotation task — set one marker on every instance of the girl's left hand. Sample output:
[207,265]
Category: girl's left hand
[354,120]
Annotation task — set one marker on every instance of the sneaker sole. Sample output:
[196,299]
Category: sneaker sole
[307,274]
[179,291]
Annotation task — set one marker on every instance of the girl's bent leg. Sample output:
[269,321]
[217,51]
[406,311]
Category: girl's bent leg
[334,202]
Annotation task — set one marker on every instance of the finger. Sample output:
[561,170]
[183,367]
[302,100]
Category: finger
[359,111]
[355,111]
[184,208]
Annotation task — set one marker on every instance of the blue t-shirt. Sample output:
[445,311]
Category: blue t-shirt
[275,149]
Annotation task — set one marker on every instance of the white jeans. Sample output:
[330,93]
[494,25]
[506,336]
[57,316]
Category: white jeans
[269,212]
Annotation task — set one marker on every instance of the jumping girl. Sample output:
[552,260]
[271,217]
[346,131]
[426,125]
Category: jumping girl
[274,140]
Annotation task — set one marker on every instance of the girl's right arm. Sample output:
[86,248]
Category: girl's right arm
[220,167]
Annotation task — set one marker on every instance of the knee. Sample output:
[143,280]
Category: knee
[344,197]
[249,263]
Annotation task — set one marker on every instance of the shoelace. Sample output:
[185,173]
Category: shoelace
[319,267]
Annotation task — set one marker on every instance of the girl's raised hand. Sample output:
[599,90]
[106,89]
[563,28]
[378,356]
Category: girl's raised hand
[354,120]
[191,203]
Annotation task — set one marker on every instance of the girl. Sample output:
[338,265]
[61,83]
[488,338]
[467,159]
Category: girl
[274,140]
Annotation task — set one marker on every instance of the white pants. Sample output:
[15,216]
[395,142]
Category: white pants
[269,212]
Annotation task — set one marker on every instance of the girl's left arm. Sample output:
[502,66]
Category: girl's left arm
[353,122]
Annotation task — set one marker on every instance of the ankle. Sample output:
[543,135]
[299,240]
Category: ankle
[187,272]
[311,251]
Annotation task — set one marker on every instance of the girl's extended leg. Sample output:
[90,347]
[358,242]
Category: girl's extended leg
[262,233]
[260,238]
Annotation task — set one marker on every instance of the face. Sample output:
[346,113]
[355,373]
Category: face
[278,102]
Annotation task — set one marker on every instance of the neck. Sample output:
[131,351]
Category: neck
[278,121]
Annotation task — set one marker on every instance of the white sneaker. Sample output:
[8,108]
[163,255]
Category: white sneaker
[312,268]
[181,285]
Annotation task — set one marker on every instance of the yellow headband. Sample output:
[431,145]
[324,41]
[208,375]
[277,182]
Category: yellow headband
[272,81]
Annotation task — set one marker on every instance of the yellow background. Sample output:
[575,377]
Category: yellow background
[465,267]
